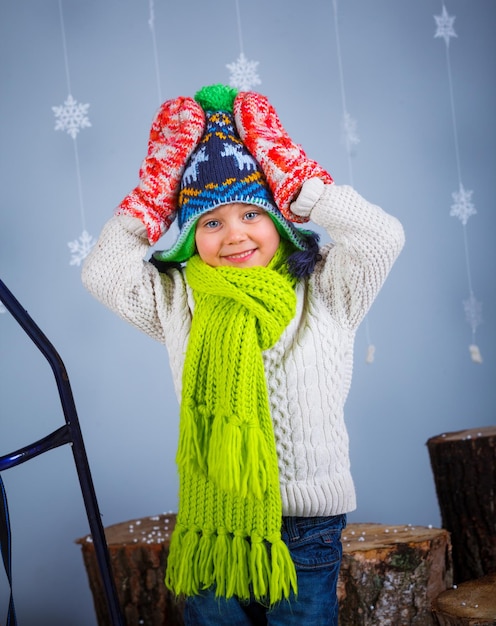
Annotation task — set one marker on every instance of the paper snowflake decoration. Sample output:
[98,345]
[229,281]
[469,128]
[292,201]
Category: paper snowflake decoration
[444,24]
[370,354]
[243,73]
[462,208]
[71,116]
[350,134]
[81,247]
[473,312]
[475,353]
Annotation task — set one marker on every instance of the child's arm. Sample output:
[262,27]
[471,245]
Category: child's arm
[366,243]
[367,240]
[114,272]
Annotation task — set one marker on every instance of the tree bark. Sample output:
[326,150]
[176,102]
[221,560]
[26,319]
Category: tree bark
[391,574]
[472,603]
[138,552]
[464,468]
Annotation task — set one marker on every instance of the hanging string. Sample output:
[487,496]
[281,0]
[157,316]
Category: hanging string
[64,47]
[79,185]
[243,73]
[462,207]
[151,24]
[72,117]
[445,30]
[350,139]
[240,31]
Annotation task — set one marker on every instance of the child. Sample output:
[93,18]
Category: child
[259,324]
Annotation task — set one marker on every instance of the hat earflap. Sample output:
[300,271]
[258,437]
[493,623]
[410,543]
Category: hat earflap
[302,262]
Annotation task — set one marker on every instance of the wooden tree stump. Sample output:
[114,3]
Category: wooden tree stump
[472,603]
[138,552]
[464,468]
[389,576]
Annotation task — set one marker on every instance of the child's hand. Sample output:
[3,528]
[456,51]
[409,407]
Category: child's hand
[176,131]
[308,197]
[284,163]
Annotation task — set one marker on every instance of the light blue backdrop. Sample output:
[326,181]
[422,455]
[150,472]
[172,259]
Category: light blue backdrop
[396,87]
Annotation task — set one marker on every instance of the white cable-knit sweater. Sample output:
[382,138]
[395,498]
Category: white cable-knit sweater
[309,369]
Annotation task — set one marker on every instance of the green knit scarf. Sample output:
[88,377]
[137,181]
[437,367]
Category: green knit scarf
[228,531]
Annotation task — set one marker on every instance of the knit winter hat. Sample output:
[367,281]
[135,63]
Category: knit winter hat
[220,171]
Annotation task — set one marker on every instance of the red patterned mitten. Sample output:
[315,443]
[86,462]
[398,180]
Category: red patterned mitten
[176,131]
[284,163]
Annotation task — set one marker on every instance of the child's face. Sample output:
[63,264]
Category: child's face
[236,235]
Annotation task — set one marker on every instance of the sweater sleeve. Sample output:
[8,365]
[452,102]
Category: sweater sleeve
[117,275]
[366,241]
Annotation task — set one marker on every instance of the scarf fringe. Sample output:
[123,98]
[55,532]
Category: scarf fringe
[235,459]
[260,568]
[283,573]
[192,437]
[236,566]
[236,453]
[205,558]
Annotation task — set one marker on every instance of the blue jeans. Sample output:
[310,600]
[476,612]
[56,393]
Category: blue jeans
[315,547]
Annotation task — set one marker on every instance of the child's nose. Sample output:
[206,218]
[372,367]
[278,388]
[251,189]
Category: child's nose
[235,233]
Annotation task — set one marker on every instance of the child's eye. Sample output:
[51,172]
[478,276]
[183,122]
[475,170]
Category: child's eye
[250,215]
[211,224]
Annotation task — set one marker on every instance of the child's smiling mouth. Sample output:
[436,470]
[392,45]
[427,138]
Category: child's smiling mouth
[240,256]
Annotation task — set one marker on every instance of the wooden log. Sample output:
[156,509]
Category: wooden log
[138,552]
[391,574]
[464,468]
[473,603]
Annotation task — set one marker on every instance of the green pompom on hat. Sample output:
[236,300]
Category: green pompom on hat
[216,98]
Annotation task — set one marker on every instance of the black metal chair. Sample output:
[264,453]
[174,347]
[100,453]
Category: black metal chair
[71,434]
